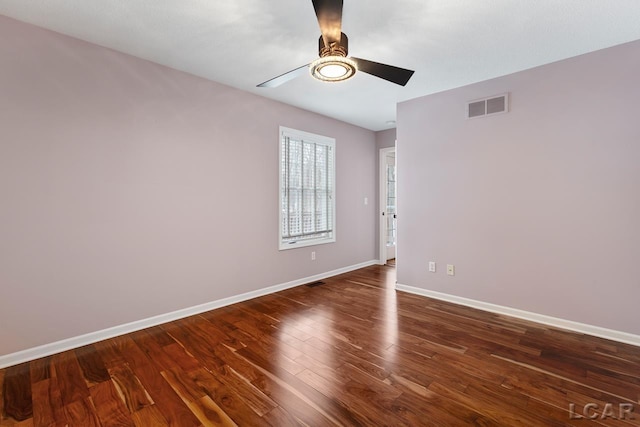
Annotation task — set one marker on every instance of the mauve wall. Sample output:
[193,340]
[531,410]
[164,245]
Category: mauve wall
[129,190]
[386,138]
[538,209]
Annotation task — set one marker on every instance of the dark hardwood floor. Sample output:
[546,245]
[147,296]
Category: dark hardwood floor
[351,351]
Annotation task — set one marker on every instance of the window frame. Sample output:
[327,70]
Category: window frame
[316,139]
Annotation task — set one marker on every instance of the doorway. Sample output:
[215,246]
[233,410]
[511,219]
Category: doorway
[388,206]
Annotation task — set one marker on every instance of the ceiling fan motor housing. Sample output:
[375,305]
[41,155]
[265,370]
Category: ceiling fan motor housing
[334,48]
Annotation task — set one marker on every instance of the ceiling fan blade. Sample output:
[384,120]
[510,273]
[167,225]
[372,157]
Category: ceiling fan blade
[329,13]
[283,78]
[397,75]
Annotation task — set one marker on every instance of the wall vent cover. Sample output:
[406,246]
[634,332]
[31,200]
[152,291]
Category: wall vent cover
[496,104]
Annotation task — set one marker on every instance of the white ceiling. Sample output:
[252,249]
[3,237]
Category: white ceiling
[449,43]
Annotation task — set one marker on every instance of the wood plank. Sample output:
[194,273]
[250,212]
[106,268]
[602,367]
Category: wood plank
[40,369]
[219,334]
[154,350]
[196,345]
[294,395]
[183,385]
[129,388]
[179,357]
[250,394]
[158,335]
[504,410]
[168,402]
[434,410]
[92,365]
[82,413]
[110,408]
[209,413]
[278,417]
[233,378]
[16,394]
[70,378]
[381,389]
[149,416]
[111,356]
[48,409]
[231,403]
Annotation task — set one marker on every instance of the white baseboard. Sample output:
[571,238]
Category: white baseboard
[92,337]
[583,328]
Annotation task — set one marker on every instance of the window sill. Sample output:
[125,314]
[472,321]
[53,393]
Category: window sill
[305,243]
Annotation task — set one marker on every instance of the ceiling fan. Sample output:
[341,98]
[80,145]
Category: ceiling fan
[334,65]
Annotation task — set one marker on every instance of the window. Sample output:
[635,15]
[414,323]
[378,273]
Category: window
[307,188]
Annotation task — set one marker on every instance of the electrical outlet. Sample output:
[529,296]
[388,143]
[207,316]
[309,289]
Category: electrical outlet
[313,255]
[451,270]
[432,267]
[366,201]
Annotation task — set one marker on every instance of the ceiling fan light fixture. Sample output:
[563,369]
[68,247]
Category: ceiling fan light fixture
[334,64]
[333,68]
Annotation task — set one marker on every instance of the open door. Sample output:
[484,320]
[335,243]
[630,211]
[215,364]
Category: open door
[388,214]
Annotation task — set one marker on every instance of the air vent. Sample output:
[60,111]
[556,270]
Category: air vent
[497,104]
[477,109]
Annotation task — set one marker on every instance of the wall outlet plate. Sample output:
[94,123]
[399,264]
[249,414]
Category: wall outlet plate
[451,270]
[432,266]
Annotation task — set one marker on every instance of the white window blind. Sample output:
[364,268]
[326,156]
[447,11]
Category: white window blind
[307,185]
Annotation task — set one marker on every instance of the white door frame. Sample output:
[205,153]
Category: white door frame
[382,205]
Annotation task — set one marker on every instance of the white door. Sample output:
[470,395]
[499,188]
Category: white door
[388,219]
[390,208]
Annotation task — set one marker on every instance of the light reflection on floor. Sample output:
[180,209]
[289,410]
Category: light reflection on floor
[312,337]
[390,317]
[311,324]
